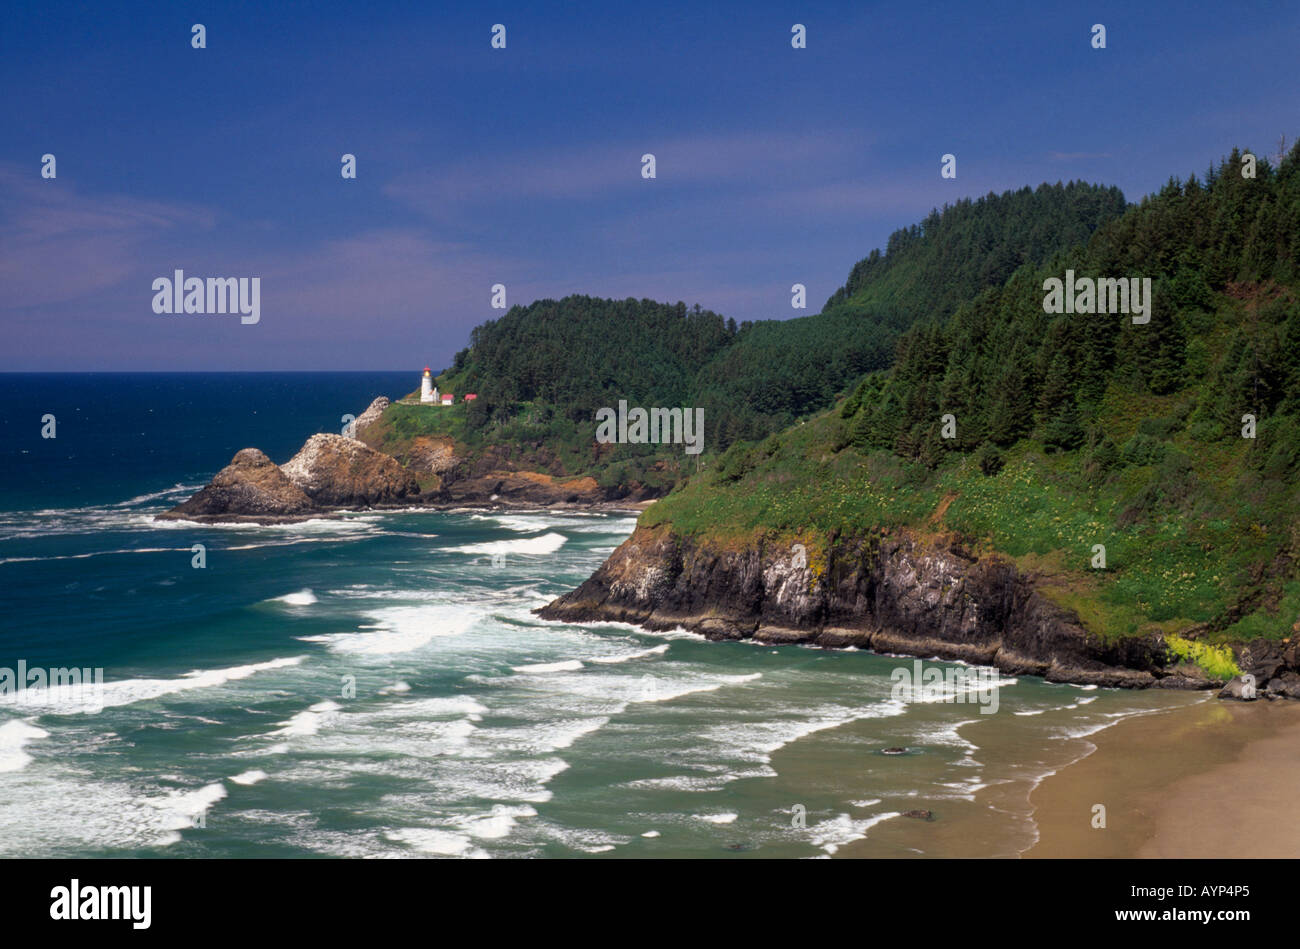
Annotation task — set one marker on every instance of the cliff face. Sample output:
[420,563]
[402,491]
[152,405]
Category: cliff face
[896,593]
[335,471]
[251,487]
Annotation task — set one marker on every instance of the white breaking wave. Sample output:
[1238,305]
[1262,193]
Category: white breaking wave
[310,721]
[249,777]
[98,553]
[13,736]
[446,843]
[301,598]
[664,692]
[833,834]
[347,526]
[568,665]
[581,521]
[626,657]
[129,691]
[497,823]
[180,808]
[751,744]
[186,489]
[528,547]
[400,629]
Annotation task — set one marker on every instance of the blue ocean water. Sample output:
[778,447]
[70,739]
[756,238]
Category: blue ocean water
[377,685]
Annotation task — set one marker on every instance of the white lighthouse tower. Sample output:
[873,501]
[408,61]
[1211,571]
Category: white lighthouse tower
[428,391]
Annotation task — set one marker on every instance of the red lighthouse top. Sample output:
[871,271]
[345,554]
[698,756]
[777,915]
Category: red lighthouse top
[426,368]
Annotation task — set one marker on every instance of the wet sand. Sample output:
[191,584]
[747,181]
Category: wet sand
[1214,779]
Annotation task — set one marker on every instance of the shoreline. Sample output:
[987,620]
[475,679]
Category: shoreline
[1212,779]
[441,507]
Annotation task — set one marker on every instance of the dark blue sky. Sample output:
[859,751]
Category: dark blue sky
[522,166]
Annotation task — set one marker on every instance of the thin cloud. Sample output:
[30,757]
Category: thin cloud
[59,245]
[588,172]
[1077,156]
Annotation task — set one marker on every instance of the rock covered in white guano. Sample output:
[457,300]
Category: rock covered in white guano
[336,471]
[370,415]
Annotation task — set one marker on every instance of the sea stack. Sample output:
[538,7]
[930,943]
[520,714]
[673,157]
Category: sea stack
[252,487]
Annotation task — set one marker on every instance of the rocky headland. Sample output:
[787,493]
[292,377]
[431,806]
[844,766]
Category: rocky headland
[898,593]
[333,473]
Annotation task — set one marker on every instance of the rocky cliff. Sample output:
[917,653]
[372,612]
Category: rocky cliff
[336,471]
[893,593]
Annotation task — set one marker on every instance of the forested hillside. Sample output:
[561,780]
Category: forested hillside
[541,371]
[1076,432]
[780,370]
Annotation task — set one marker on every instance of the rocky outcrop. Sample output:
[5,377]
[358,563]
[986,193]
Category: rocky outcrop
[335,471]
[1241,689]
[251,487]
[522,488]
[370,415]
[329,472]
[532,477]
[1284,685]
[893,593]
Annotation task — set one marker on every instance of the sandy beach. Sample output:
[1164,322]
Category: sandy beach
[1214,779]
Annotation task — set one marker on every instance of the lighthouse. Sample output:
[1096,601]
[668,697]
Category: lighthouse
[428,391]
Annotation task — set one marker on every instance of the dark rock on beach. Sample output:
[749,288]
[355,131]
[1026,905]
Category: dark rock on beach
[1240,689]
[1287,685]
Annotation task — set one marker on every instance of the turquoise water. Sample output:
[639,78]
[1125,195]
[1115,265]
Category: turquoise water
[377,685]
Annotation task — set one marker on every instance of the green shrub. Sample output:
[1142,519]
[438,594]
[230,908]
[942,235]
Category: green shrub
[1216,661]
[1142,449]
[989,459]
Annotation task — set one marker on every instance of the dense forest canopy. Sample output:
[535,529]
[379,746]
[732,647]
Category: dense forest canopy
[557,362]
[1221,255]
